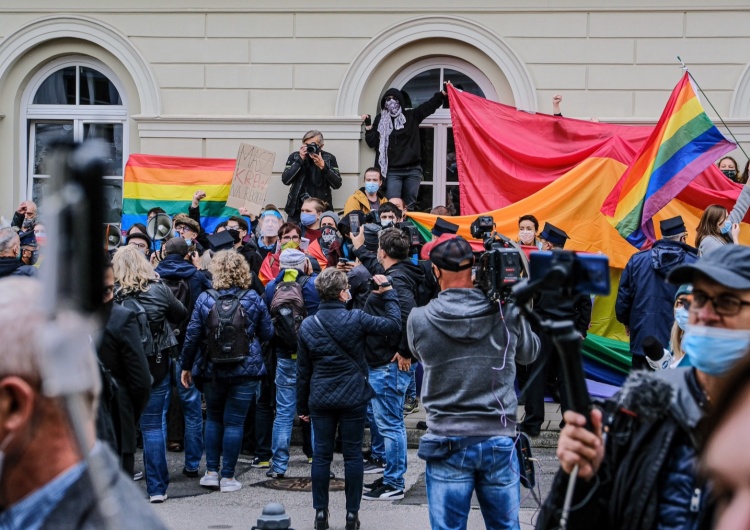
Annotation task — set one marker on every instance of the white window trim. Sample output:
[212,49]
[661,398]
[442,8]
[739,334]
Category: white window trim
[78,113]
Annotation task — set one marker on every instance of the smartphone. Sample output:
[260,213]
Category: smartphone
[343,261]
[585,273]
[354,224]
[304,243]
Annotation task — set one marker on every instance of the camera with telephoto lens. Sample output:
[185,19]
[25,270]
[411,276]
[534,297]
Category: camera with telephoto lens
[372,286]
[313,149]
[501,265]
[411,232]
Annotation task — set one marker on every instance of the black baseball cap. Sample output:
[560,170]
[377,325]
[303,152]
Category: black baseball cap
[452,253]
[728,265]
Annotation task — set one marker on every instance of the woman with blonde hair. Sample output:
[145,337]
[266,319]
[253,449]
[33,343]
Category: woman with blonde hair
[229,384]
[138,288]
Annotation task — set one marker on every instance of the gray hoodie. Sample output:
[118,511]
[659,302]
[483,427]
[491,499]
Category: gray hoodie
[469,350]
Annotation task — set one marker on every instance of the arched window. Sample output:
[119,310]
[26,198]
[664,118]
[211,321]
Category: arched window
[75,99]
[420,81]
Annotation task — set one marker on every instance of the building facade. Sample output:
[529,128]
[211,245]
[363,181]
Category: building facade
[195,78]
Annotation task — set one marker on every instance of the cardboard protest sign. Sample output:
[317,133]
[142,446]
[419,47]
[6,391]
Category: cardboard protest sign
[252,174]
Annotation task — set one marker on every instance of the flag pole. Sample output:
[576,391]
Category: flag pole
[685,68]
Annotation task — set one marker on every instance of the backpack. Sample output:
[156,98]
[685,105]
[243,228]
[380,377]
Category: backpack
[288,311]
[180,288]
[227,340]
[158,366]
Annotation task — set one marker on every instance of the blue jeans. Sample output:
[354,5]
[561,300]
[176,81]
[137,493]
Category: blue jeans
[411,391]
[390,385]
[324,423]
[404,183]
[226,408]
[154,429]
[490,468]
[286,408]
[191,409]
[377,443]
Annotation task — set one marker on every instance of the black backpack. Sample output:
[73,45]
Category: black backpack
[227,340]
[180,288]
[158,366]
[287,312]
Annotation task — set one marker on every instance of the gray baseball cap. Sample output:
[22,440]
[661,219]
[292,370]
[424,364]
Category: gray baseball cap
[728,265]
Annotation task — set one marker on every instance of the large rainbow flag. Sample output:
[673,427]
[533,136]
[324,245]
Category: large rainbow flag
[683,144]
[169,182]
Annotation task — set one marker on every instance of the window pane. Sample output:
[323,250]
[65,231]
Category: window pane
[39,189]
[427,146]
[422,87]
[96,89]
[45,135]
[58,89]
[425,200]
[111,134]
[112,200]
[462,82]
[451,169]
[452,199]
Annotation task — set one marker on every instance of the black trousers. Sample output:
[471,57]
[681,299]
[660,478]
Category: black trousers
[548,369]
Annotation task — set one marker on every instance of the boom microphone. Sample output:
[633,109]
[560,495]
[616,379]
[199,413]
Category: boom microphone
[657,356]
[647,395]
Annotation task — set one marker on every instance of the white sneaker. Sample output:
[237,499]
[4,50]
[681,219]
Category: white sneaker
[210,479]
[156,499]
[230,484]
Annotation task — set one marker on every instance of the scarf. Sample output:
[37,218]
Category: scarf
[385,128]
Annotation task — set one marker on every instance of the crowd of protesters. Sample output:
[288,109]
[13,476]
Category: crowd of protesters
[218,344]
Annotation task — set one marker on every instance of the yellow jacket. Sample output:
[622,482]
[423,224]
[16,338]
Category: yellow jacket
[359,201]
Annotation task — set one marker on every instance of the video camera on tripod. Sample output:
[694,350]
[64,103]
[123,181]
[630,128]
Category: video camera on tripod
[503,263]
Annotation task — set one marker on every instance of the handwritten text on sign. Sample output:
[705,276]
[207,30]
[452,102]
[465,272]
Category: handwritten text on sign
[252,174]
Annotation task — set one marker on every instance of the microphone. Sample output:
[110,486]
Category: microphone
[646,394]
[657,356]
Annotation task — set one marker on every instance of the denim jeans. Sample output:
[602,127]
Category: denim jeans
[490,468]
[390,385]
[404,183]
[411,391]
[190,399]
[154,429]
[324,424]
[377,443]
[286,408]
[226,408]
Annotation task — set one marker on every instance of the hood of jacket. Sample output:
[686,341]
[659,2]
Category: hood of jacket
[175,267]
[666,255]
[473,323]
[407,270]
[396,93]
[8,265]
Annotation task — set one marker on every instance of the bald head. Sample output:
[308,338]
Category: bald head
[9,243]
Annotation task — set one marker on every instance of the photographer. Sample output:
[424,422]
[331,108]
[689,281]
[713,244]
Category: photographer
[311,172]
[467,348]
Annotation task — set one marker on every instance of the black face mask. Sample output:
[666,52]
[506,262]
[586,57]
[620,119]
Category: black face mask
[235,234]
[731,174]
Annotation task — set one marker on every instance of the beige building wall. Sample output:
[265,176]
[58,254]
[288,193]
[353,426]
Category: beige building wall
[201,77]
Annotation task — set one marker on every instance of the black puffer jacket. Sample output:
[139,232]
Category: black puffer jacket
[321,370]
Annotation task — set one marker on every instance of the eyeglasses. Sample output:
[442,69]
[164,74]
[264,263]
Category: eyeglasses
[287,238]
[726,305]
[138,245]
[183,228]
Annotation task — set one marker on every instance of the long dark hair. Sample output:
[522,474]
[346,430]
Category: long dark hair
[709,223]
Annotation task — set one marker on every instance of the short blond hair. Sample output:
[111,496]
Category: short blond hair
[230,269]
[132,270]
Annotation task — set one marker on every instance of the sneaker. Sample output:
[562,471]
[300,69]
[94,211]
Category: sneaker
[374,465]
[210,479]
[190,473]
[272,474]
[257,463]
[138,476]
[373,485]
[157,499]
[411,405]
[230,484]
[366,455]
[384,493]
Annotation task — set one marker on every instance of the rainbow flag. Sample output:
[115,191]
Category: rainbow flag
[683,144]
[170,182]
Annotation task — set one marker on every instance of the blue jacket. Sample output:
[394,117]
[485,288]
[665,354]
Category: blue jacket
[321,369]
[258,326]
[309,293]
[174,267]
[645,300]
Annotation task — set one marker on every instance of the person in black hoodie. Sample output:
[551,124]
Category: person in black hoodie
[173,269]
[397,143]
[10,255]
[389,359]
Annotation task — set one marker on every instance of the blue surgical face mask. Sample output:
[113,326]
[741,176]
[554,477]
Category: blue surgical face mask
[681,317]
[714,351]
[372,187]
[726,227]
[308,219]
[189,241]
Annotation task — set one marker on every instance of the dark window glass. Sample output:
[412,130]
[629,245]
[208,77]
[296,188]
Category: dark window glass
[45,135]
[462,82]
[96,89]
[58,89]
[422,87]
[111,134]
[112,200]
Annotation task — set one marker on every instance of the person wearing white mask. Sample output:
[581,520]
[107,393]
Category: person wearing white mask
[528,226]
[369,197]
[657,454]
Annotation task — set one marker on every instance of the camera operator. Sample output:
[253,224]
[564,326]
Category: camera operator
[389,359]
[467,348]
[311,172]
[643,473]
